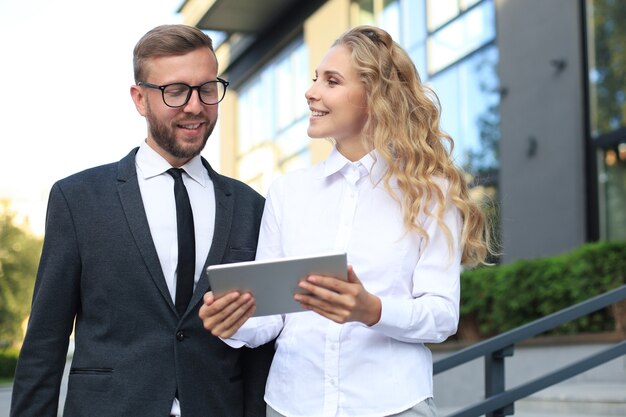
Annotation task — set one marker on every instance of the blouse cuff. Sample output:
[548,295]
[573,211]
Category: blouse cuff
[393,315]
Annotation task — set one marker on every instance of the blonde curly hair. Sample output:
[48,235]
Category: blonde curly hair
[403,126]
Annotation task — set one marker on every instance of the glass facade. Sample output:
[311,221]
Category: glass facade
[606,52]
[272,119]
[460,37]
[452,44]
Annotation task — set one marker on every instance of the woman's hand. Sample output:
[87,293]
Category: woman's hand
[223,316]
[338,300]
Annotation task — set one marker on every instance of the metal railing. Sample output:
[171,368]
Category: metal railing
[499,401]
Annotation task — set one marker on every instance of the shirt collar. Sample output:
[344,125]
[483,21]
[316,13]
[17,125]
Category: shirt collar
[372,164]
[151,164]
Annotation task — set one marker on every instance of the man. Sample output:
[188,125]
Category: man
[115,255]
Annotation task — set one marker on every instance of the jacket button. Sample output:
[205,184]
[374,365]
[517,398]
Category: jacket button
[180,335]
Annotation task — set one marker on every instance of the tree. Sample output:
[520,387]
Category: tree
[19,256]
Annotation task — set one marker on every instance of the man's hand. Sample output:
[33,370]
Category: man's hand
[223,316]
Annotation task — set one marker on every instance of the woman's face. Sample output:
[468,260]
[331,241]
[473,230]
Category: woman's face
[337,99]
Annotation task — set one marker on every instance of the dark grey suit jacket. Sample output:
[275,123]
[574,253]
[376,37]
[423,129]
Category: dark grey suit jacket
[133,353]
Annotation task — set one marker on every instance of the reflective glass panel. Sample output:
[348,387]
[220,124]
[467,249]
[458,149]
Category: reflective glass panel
[612,186]
[256,111]
[271,108]
[440,12]
[390,18]
[413,23]
[464,35]
[468,3]
[469,98]
[607,65]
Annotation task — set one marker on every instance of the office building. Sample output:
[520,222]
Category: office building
[532,91]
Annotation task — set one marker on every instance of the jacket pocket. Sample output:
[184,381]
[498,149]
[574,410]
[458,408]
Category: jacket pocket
[90,379]
[90,371]
[238,255]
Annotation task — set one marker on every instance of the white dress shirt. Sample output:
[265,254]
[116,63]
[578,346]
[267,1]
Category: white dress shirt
[157,193]
[322,368]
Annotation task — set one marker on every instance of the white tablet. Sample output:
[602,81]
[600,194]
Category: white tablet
[273,282]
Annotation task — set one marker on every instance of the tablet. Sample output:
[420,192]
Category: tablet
[273,282]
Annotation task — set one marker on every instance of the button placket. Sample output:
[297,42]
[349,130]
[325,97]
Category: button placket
[348,206]
[331,369]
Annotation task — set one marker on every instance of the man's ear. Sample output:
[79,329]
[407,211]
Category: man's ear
[137,94]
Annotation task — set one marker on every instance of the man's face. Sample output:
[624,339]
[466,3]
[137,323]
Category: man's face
[178,134]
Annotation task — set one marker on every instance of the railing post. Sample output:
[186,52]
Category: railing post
[494,379]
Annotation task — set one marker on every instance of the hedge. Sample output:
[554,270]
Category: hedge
[8,362]
[498,298]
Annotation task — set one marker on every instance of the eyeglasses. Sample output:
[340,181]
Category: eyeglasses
[178,94]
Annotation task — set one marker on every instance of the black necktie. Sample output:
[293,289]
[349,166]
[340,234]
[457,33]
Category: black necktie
[186,243]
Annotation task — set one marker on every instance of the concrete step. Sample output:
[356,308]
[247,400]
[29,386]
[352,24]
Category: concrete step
[447,412]
[591,399]
[599,392]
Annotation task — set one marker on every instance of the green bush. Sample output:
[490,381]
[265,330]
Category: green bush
[498,298]
[8,362]
[19,255]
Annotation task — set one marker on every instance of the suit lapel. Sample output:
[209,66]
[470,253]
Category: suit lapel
[132,204]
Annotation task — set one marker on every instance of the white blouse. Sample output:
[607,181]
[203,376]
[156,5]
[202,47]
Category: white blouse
[322,368]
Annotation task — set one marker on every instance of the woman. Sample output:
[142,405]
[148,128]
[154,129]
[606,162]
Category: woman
[391,197]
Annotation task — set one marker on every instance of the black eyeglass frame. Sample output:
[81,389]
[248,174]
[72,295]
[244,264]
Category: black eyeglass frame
[189,93]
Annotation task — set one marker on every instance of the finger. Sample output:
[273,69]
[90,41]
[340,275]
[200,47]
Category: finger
[311,302]
[208,298]
[234,307]
[215,305]
[352,278]
[229,326]
[226,325]
[338,316]
[330,283]
[215,313]
[239,323]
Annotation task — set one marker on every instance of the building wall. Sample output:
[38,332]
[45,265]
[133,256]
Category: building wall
[542,127]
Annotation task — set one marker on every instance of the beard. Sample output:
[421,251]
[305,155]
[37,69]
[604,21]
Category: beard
[164,136]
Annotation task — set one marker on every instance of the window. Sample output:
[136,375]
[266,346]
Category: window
[452,43]
[272,118]
[612,178]
[469,97]
[606,37]
[607,55]
[460,37]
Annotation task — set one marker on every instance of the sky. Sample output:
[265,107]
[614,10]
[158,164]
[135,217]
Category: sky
[65,101]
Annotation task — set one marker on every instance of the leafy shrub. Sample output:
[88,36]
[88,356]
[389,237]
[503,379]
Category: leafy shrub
[8,362]
[19,256]
[498,298]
